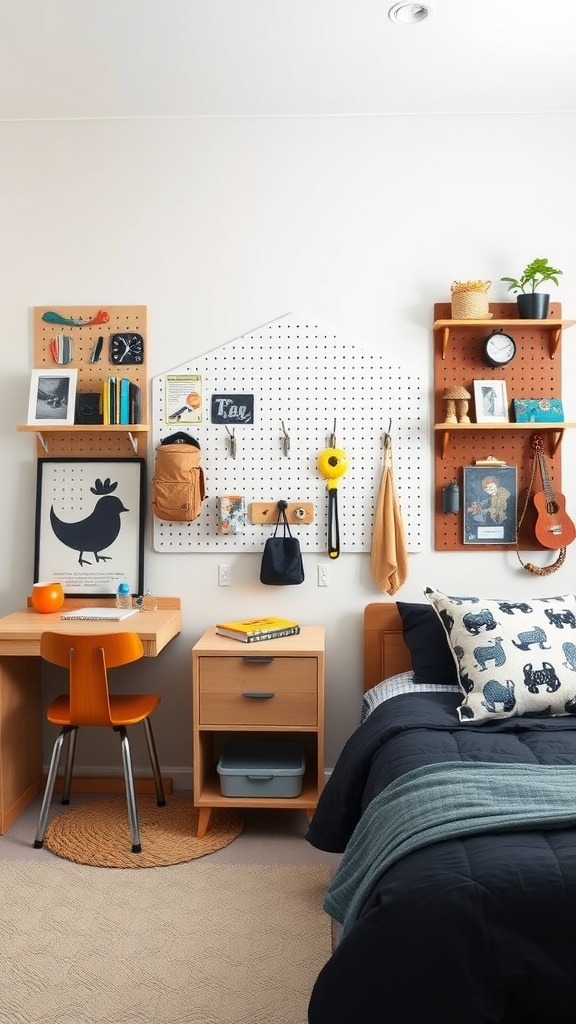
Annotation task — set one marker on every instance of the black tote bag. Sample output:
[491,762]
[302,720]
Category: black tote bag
[282,559]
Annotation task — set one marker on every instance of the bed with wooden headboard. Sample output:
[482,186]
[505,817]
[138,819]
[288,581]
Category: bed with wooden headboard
[449,932]
[385,653]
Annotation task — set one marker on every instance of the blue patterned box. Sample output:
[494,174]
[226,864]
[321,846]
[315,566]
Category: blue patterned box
[538,410]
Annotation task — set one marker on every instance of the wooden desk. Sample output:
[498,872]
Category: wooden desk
[20,700]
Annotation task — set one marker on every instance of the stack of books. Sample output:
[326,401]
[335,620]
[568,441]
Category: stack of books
[120,401]
[250,631]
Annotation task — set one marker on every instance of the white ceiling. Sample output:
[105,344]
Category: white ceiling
[139,58]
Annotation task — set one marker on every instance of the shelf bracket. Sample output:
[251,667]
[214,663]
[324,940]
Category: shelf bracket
[445,337]
[43,442]
[556,437]
[133,441]
[445,442]
[555,341]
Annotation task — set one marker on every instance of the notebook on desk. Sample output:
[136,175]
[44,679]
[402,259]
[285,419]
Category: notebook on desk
[95,614]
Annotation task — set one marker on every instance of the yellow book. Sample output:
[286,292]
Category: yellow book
[251,630]
[105,403]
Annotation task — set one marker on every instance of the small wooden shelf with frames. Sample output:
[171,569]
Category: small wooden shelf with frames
[535,372]
[94,440]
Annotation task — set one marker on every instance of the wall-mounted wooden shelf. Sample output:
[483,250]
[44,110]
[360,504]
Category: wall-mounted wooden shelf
[110,437]
[554,431]
[552,326]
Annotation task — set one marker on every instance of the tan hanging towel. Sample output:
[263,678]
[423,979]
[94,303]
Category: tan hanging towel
[388,557]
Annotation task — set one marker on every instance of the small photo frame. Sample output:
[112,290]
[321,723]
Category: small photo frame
[490,504]
[491,401]
[52,398]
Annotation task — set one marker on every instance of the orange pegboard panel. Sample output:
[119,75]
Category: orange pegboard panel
[535,372]
[98,440]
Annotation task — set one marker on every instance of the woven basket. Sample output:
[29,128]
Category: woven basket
[470,305]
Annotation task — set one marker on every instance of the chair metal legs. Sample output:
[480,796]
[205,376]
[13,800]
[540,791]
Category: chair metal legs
[69,765]
[130,794]
[70,731]
[160,798]
[50,780]
[129,780]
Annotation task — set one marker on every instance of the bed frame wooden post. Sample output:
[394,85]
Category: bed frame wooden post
[385,653]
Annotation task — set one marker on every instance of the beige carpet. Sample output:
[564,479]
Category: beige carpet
[98,833]
[191,944]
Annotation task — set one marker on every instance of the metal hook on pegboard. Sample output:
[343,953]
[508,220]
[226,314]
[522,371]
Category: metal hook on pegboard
[231,441]
[285,440]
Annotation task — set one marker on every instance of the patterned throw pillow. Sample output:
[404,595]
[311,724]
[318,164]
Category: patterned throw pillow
[513,657]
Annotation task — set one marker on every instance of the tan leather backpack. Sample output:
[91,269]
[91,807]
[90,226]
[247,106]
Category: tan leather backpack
[178,488]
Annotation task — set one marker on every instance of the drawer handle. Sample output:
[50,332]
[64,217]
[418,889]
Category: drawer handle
[260,778]
[258,694]
[255,660]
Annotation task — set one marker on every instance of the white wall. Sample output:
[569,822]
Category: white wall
[219,225]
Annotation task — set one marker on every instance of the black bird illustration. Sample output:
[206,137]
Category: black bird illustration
[99,530]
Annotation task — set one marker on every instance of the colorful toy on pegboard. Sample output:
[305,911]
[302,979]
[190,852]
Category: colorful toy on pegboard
[51,317]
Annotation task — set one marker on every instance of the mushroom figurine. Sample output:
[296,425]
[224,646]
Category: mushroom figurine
[456,399]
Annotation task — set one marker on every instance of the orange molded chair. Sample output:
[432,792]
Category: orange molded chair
[89,702]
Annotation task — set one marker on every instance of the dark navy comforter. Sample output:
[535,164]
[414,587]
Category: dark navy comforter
[480,930]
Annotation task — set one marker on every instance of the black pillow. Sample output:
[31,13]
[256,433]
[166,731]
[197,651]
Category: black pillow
[424,635]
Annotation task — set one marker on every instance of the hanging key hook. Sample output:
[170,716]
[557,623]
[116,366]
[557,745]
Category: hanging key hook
[231,441]
[285,440]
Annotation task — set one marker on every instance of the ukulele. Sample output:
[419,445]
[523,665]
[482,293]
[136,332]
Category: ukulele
[553,528]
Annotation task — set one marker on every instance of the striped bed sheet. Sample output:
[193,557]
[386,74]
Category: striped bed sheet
[395,685]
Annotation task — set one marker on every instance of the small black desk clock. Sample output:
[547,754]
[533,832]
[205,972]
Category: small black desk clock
[126,349]
[499,349]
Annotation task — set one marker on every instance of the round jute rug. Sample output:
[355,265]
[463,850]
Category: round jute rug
[97,833]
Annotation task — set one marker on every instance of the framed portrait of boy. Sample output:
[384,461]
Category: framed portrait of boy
[490,504]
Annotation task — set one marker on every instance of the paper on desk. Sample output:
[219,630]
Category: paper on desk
[102,614]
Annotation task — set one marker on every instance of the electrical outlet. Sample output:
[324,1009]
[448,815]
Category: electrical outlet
[323,575]
[223,575]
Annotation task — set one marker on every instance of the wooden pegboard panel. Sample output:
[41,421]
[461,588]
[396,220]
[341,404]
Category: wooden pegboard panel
[92,441]
[535,372]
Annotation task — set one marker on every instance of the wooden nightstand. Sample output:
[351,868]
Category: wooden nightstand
[232,684]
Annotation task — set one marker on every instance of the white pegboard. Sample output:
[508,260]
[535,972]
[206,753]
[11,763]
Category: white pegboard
[308,378]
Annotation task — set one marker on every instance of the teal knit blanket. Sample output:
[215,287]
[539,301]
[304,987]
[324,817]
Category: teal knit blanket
[446,801]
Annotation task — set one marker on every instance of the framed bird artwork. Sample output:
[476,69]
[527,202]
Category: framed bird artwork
[90,525]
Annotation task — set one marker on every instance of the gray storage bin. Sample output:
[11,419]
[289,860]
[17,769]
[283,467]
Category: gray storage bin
[261,769]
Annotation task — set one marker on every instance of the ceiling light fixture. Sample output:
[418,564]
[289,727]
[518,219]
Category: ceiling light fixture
[406,13]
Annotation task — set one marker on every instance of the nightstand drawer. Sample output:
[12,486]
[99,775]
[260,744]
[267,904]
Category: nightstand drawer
[253,709]
[261,692]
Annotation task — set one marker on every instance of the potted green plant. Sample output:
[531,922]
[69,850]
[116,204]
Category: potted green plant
[533,305]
